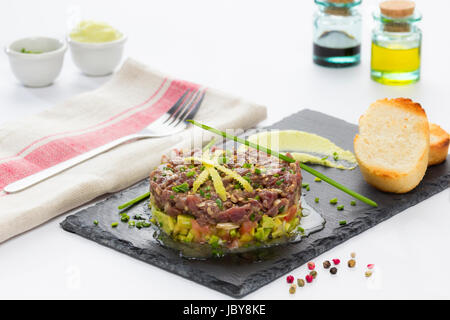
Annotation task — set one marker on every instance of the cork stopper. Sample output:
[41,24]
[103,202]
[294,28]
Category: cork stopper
[397,8]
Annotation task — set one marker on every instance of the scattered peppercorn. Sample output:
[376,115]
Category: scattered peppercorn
[313,274]
[353,203]
[353,255]
[370,266]
[334,201]
[336,261]
[292,288]
[309,278]
[333,270]
[300,282]
[96,222]
[326,264]
[311,265]
[114,224]
[368,273]
[351,263]
[289,279]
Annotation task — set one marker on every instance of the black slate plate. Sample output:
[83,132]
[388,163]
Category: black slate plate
[238,275]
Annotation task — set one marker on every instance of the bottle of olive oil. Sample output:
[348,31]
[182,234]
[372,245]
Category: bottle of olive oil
[396,43]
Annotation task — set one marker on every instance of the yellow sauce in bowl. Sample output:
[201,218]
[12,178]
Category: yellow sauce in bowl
[94,32]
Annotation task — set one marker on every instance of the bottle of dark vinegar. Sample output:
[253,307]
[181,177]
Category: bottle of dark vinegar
[337,33]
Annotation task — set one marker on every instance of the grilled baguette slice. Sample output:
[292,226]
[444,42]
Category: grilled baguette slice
[439,141]
[393,144]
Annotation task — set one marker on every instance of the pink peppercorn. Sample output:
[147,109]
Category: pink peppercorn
[311,265]
[370,266]
[290,279]
[336,261]
[309,278]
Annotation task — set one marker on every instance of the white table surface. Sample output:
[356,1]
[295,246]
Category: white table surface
[260,50]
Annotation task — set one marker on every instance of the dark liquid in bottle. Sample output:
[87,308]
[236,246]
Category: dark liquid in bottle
[336,49]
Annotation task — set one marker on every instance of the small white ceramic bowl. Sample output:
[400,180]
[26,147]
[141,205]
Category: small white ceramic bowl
[97,59]
[36,69]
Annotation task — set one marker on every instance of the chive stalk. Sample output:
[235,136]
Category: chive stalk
[287,159]
[209,144]
[134,201]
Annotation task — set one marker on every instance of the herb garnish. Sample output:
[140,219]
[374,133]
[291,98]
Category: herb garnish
[182,188]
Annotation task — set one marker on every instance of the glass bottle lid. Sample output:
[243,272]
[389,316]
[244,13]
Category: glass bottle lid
[338,3]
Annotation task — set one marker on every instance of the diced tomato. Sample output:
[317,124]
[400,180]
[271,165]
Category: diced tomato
[291,213]
[247,227]
[199,231]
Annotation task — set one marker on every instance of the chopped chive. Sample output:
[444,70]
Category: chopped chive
[317,179]
[190,174]
[202,193]
[307,188]
[279,182]
[353,203]
[276,175]
[134,201]
[324,158]
[247,165]
[281,209]
[305,185]
[252,217]
[258,171]
[334,201]
[96,222]
[290,160]
[132,223]
[208,196]
[340,208]
[124,217]
[257,197]
[301,229]
[172,197]
[316,200]
[219,203]
[114,224]
[182,188]
[343,222]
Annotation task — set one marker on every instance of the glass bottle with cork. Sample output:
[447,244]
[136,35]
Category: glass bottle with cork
[396,43]
[337,33]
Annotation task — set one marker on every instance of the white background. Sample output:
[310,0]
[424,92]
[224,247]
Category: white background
[260,50]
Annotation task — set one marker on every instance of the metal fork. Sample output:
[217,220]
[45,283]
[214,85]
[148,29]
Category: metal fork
[170,123]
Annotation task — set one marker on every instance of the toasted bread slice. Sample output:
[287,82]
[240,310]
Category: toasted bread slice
[393,144]
[439,141]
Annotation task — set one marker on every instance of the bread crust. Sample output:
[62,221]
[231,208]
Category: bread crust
[439,143]
[386,179]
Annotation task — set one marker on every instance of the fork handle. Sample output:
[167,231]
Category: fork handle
[60,167]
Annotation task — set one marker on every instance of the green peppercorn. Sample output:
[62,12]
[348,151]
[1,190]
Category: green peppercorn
[300,282]
[313,274]
[368,273]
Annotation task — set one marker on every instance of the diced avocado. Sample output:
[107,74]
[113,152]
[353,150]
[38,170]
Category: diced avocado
[262,234]
[293,223]
[214,241]
[246,237]
[189,237]
[278,231]
[267,222]
[183,224]
[166,222]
